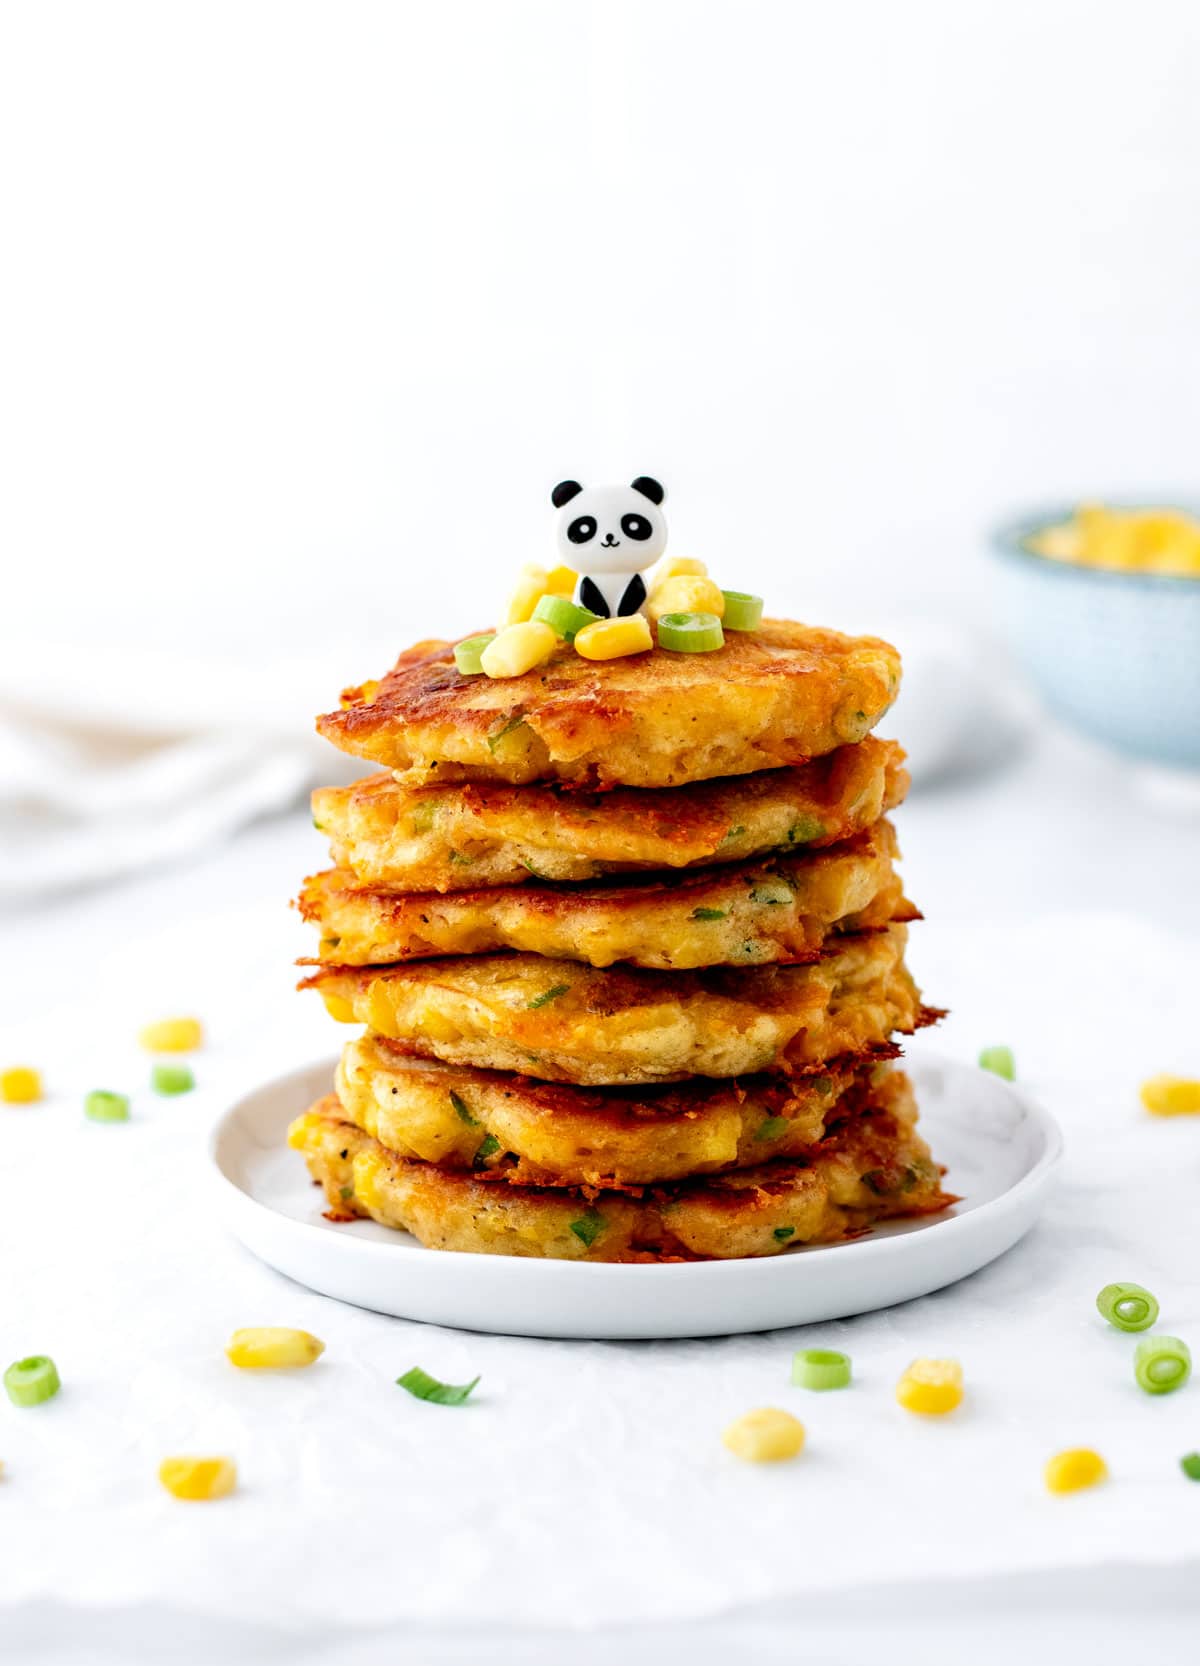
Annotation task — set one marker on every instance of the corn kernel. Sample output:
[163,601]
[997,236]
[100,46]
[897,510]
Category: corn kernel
[198,1478]
[273,1348]
[931,1386]
[615,638]
[20,1085]
[561,581]
[765,1436]
[686,594]
[1071,1471]
[531,587]
[173,1035]
[1171,1096]
[337,1006]
[673,566]
[518,648]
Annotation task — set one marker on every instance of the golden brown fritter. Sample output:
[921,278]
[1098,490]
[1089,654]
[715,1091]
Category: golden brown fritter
[547,1134]
[488,833]
[779,910]
[874,1167]
[769,698]
[561,1021]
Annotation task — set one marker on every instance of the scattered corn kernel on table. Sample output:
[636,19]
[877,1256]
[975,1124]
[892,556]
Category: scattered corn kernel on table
[581,1499]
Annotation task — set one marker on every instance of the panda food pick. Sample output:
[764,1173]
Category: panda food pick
[613,593]
[686,1054]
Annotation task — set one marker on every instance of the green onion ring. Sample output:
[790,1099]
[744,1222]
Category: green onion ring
[1000,1061]
[1161,1364]
[743,612]
[820,1369]
[690,633]
[468,655]
[564,617]
[1127,1306]
[30,1381]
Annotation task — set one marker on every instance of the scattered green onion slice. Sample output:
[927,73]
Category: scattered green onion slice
[468,655]
[102,1106]
[742,611]
[516,721]
[690,633]
[487,1147]
[588,1227]
[424,1387]
[708,913]
[564,617]
[177,1078]
[548,995]
[1127,1306]
[1162,1364]
[1000,1061]
[1190,1465]
[30,1381]
[820,1368]
[781,1234]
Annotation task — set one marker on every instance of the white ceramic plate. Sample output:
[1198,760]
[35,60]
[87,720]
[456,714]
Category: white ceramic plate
[999,1146]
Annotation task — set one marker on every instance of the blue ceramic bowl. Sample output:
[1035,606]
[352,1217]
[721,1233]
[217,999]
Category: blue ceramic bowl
[1115,654]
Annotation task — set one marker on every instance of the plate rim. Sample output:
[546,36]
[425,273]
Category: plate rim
[1033,1180]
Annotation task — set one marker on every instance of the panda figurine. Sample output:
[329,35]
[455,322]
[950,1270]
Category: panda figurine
[610,535]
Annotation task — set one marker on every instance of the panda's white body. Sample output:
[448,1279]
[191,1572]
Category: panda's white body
[610,535]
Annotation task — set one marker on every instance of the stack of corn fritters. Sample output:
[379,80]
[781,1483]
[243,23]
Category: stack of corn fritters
[628,942]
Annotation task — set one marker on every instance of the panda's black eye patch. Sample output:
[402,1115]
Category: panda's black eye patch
[636,526]
[581,529]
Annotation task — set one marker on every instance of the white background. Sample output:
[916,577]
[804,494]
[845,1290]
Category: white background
[303,308]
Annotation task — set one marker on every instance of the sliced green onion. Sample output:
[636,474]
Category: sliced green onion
[771,896]
[690,633]
[468,655]
[487,1147]
[1161,1364]
[742,611]
[781,1234]
[460,1109]
[820,1368]
[424,1387]
[708,913]
[516,721]
[1127,1306]
[548,995]
[772,1128]
[30,1381]
[1191,1466]
[804,831]
[588,1227]
[1000,1061]
[102,1106]
[178,1078]
[564,617]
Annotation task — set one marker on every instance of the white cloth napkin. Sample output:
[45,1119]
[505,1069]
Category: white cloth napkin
[585,1484]
[83,804]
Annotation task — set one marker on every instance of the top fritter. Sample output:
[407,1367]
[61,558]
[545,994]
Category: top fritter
[768,698]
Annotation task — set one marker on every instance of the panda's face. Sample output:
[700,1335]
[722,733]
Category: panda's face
[611,529]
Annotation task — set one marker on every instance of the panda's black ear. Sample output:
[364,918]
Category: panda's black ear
[648,487]
[564,492]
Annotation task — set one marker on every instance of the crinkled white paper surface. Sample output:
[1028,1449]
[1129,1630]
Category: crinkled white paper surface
[584,1483]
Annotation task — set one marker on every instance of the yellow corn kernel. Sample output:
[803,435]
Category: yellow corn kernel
[273,1348]
[531,587]
[673,566]
[561,581]
[1072,1471]
[337,1006]
[20,1085]
[173,1035]
[931,1386]
[615,638]
[518,648]
[198,1478]
[765,1436]
[686,594]
[1171,1096]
